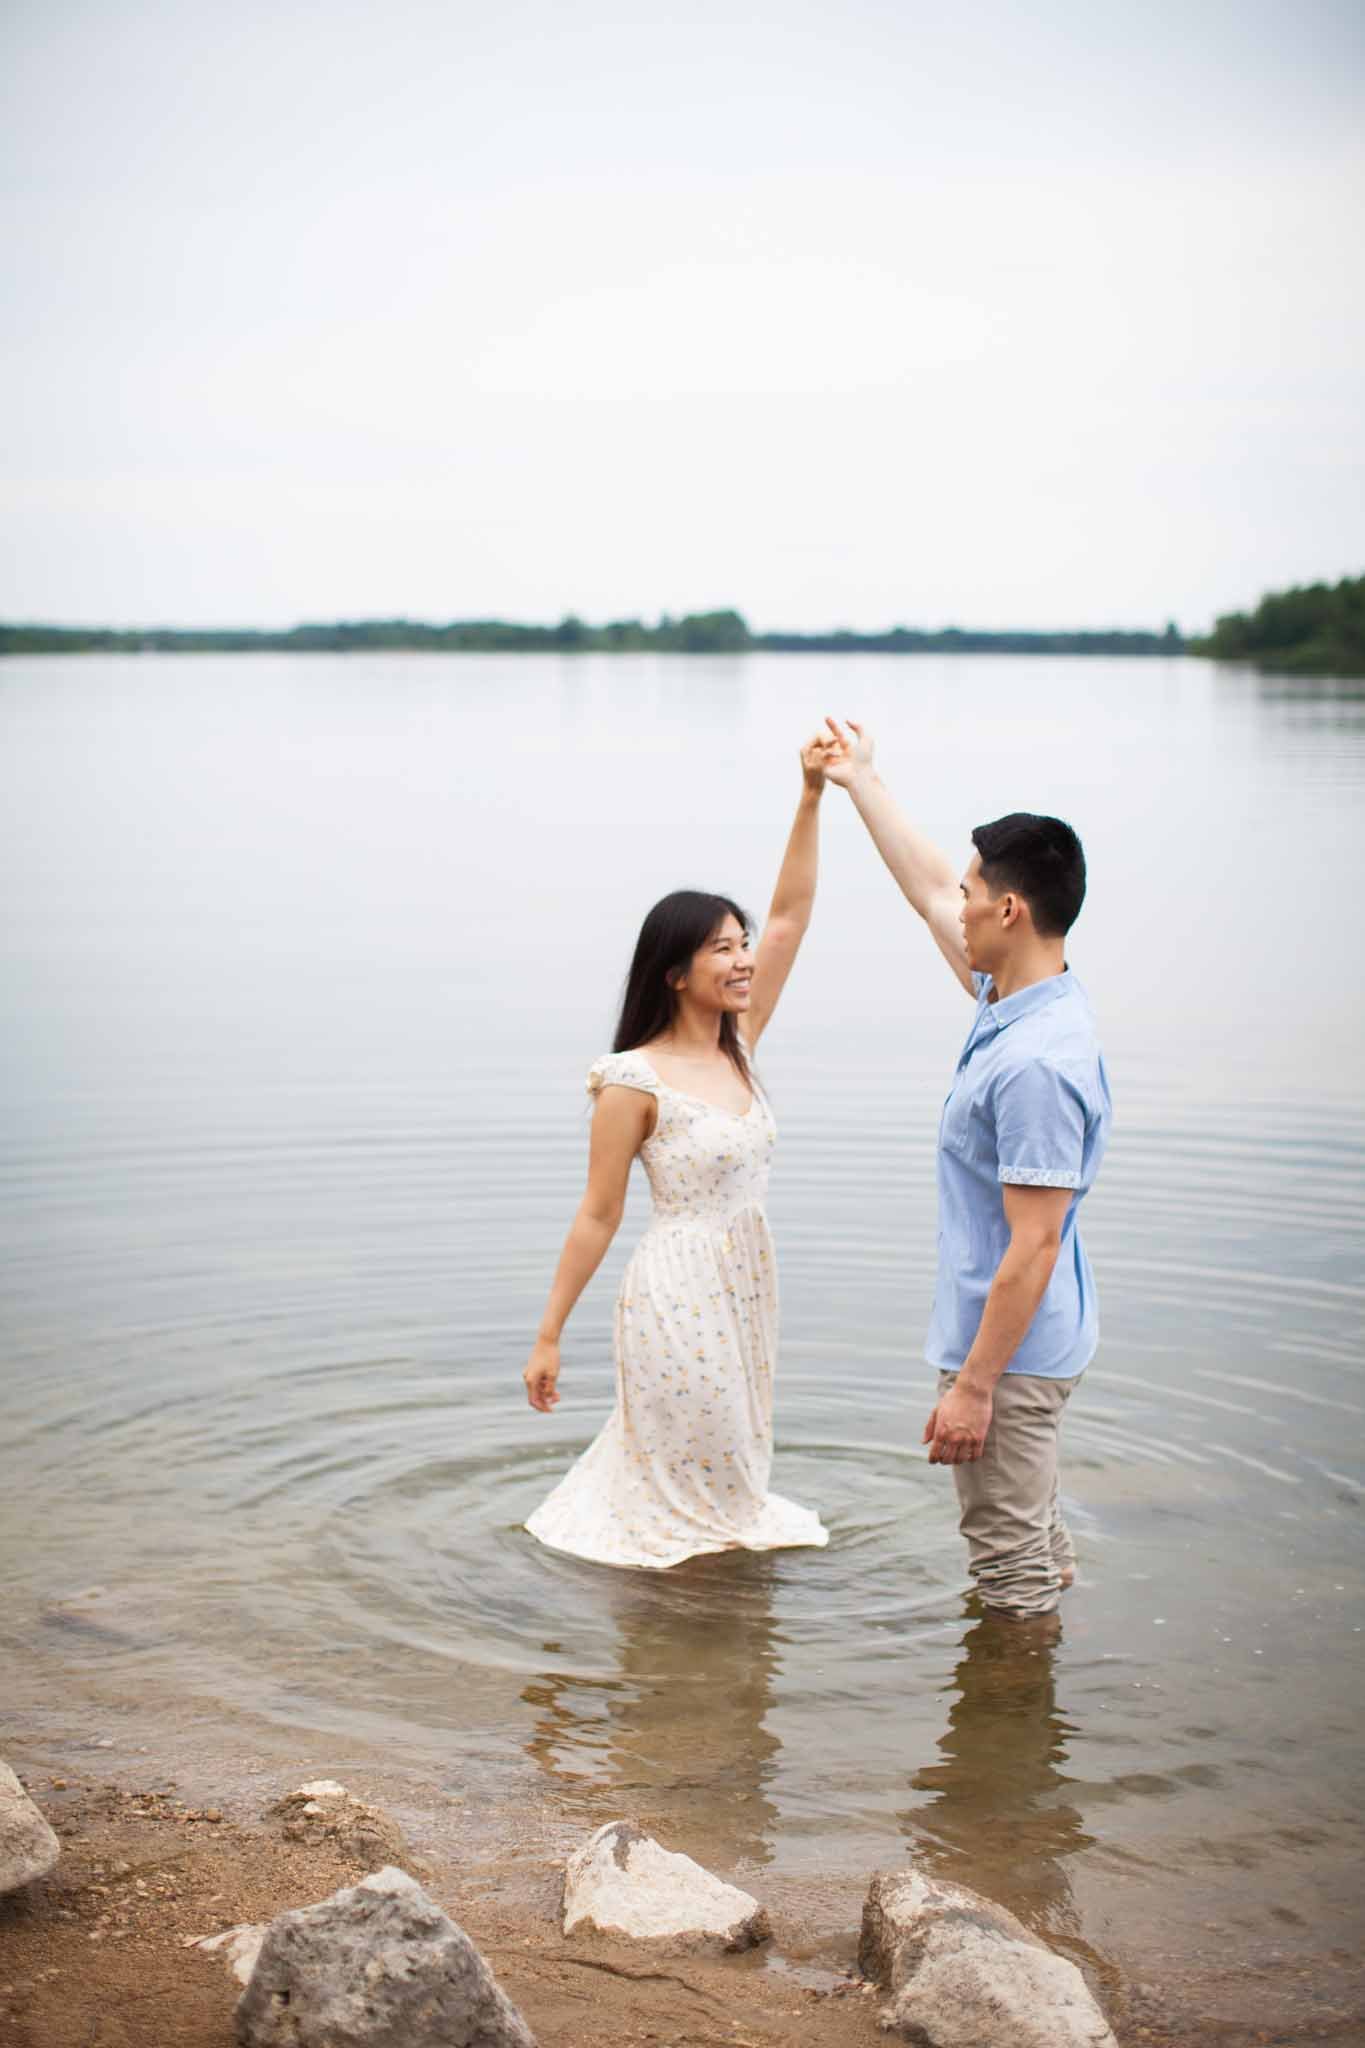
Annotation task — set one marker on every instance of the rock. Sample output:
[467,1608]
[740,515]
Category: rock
[622,1882]
[238,1947]
[28,1847]
[324,1811]
[377,1965]
[964,1973]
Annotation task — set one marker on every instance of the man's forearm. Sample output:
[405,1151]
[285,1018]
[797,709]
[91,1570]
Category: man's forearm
[921,870]
[1018,1287]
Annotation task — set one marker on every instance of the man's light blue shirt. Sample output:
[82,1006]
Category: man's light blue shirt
[1030,1105]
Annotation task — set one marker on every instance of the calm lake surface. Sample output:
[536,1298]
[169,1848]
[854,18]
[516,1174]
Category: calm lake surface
[305,961]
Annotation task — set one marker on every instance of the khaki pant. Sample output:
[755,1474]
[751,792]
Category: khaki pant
[1018,1545]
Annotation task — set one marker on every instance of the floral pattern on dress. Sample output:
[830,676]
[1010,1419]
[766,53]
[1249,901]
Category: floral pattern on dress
[681,1466]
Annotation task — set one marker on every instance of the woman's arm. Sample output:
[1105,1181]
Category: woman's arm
[622,1120]
[793,898]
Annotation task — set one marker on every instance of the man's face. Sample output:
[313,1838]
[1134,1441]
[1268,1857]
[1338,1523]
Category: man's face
[980,919]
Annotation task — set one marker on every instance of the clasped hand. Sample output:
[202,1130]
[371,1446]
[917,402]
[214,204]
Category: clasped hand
[837,756]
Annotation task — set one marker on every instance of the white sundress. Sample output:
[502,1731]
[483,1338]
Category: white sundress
[681,1466]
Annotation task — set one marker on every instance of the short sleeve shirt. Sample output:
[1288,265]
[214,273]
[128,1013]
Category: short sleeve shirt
[1029,1105]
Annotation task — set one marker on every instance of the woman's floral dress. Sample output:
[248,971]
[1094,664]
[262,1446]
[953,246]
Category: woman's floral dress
[681,1466]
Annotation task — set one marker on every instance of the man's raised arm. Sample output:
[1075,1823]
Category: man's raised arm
[923,874]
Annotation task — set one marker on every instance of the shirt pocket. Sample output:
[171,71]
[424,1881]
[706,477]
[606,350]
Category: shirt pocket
[966,1129]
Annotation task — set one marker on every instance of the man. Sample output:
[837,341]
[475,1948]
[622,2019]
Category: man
[1021,1137]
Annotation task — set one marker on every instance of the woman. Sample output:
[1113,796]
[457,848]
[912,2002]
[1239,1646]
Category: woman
[681,1466]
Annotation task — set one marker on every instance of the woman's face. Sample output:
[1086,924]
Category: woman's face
[720,972]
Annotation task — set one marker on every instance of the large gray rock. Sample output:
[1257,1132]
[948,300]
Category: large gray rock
[964,1973]
[622,1882]
[378,1965]
[28,1847]
[325,1812]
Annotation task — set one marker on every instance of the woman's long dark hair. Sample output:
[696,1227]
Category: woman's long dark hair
[676,928]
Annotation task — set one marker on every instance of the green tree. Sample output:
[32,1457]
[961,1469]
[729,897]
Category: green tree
[713,633]
[1312,629]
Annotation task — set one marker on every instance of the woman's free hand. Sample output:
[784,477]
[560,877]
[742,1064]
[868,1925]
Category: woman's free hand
[847,758]
[542,1375]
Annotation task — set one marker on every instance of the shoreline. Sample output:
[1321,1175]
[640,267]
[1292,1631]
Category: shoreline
[98,1954]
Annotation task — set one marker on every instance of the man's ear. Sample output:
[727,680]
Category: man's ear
[1011,908]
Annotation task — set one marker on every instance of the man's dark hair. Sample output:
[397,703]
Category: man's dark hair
[1040,859]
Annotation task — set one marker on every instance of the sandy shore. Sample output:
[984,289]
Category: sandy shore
[97,1955]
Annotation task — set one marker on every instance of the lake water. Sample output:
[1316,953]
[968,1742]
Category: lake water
[305,961]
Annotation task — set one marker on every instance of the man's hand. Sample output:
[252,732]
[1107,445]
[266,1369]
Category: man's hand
[542,1375]
[848,758]
[956,1431]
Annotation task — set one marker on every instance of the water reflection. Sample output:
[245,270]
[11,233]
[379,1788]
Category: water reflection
[1322,695]
[997,1814]
[677,1737]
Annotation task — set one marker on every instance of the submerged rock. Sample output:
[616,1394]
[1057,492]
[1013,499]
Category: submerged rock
[378,1965]
[964,1973]
[28,1847]
[622,1882]
[121,1617]
[324,1811]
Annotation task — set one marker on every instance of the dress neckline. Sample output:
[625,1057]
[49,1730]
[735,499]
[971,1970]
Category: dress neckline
[739,1115]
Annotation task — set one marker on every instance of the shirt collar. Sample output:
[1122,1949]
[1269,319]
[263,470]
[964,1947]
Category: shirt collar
[1037,996]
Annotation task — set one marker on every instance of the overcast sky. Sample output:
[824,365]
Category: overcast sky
[855,313]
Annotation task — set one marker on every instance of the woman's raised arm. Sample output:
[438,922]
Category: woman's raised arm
[793,899]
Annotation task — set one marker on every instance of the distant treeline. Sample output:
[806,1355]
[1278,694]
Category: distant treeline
[723,632]
[1316,629]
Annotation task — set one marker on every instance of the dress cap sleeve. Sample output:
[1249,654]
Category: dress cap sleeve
[622,1070]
